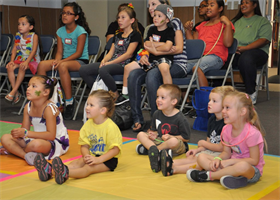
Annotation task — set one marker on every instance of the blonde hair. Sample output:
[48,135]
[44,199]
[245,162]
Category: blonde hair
[252,117]
[174,91]
[223,90]
[105,100]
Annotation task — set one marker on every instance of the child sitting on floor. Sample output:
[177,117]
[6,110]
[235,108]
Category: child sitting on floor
[100,140]
[211,146]
[241,161]
[50,135]
[169,127]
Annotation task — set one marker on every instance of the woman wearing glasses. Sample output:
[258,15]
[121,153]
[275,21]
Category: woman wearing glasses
[72,50]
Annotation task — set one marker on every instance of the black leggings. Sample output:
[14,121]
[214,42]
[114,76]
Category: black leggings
[248,62]
[90,71]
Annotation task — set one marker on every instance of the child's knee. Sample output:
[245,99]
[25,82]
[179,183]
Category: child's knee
[5,138]
[243,167]
[141,135]
[164,68]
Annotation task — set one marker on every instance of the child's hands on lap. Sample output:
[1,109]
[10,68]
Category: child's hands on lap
[166,137]
[191,152]
[92,160]
[152,134]
[215,165]
[18,133]
[24,65]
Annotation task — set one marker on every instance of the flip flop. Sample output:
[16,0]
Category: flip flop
[29,157]
[9,97]
[17,98]
[166,160]
[3,151]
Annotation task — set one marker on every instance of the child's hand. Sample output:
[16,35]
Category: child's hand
[10,64]
[92,160]
[152,134]
[18,133]
[191,152]
[215,165]
[225,20]
[189,25]
[166,137]
[23,65]
[102,63]
[144,60]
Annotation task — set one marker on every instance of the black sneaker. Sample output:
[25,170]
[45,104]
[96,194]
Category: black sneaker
[154,157]
[197,175]
[69,111]
[121,100]
[141,150]
[231,182]
[61,171]
[43,167]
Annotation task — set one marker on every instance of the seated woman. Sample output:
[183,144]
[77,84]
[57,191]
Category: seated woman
[253,33]
[123,51]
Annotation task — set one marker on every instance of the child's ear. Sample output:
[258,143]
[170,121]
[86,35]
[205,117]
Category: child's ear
[132,20]
[31,27]
[243,111]
[103,110]
[46,92]
[77,17]
[174,101]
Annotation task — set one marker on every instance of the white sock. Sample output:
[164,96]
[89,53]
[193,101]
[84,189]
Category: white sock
[69,101]
[124,90]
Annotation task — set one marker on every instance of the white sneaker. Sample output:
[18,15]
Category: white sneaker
[141,150]
[253,97]
[169,151]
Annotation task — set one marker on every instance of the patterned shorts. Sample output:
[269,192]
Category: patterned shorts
[155,63]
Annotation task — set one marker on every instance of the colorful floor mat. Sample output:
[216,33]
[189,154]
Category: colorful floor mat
[133,179]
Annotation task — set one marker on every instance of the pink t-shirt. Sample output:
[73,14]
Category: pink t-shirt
[242,150]
[210,34]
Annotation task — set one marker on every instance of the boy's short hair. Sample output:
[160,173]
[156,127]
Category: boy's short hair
[166,10]
[174,91]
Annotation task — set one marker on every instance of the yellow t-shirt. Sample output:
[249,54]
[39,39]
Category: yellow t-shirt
[100,137]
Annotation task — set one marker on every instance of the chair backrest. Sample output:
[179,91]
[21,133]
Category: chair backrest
[108,45]
[195,49]
[94,44]
[232,49]
[48,42]
[4,47]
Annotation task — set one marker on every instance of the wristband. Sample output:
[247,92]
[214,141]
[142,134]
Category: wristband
[218,158]
[25,133]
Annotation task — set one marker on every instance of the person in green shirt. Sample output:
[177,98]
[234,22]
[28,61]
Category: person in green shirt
[254,34]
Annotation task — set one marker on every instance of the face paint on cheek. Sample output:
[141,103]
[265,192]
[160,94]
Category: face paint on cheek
[162,21]
[38,93]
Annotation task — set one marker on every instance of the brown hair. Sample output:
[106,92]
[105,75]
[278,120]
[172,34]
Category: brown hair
[174,91]
[105,100]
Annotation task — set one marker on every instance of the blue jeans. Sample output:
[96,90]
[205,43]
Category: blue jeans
[153,80]
[207,63]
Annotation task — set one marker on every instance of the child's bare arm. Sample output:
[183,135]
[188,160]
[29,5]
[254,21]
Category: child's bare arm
[211,146]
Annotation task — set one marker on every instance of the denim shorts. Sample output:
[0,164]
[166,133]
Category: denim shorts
[82,61]
[207,63]
[256,177]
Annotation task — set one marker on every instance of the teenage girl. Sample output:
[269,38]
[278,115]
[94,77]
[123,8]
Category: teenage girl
[241,161]
[217,33]
[100,140]
[50,135]
[123,50]
[72,51]
[25,55]
[212,145]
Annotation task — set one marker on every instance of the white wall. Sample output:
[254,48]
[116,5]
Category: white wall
[33,3]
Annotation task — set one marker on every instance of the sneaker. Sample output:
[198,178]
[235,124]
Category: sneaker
[141,150]
[29,157]
[197,175]
[43,167]
[121,100]
[154,157]
[231,182]
[253,97]
[69,111]
[61,171]
[170,153]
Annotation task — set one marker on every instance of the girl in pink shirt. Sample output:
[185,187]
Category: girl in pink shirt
[241,161]
[217,33]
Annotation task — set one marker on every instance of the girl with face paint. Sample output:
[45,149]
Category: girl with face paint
[49,135]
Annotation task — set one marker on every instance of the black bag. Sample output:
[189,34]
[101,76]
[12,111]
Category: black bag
[122,116]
